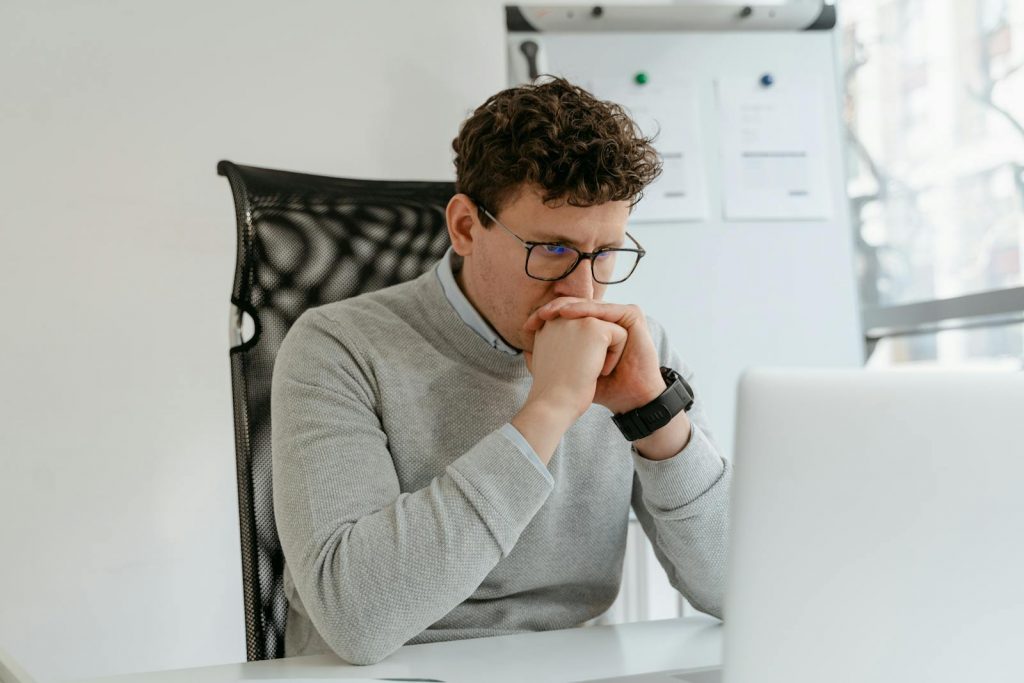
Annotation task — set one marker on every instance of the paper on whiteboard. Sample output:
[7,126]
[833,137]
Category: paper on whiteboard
[669,110]
[773,150]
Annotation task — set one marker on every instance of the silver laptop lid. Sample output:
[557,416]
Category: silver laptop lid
[877,528]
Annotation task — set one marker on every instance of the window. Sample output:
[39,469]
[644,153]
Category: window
[934,107]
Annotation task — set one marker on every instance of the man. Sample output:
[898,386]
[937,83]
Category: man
[446,463]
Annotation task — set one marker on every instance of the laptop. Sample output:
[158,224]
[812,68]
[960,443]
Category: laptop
[877,530]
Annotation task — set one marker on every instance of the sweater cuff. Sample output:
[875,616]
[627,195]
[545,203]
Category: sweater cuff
[516,437]
[674,483]
[505,488]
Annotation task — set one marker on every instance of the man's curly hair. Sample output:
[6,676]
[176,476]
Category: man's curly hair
[579,150]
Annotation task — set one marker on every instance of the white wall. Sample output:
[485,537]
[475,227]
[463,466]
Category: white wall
[118,528]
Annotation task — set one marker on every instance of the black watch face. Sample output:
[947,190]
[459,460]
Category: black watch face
[671,376]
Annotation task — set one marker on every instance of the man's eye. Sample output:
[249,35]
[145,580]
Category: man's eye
[555,249]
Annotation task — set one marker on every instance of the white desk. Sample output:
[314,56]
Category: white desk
[555,656]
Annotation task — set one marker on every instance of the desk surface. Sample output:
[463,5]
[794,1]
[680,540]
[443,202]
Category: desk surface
[555,656]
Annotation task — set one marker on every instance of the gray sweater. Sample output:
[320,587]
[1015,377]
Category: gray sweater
[408,513]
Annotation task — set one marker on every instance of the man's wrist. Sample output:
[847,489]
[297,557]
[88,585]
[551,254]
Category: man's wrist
[543,423]
[654,415]
[650,390]
[667,441]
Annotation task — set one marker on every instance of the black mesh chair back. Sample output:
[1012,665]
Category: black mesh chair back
[304,240]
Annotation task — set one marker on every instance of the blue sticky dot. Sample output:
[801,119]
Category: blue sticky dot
[767,80]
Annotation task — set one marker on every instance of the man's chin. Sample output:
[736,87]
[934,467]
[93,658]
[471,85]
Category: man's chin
[515,341]
[519,342]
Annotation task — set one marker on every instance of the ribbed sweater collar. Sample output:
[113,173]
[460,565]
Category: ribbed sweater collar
[460,339]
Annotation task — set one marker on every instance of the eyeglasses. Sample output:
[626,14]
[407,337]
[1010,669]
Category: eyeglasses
[550,261]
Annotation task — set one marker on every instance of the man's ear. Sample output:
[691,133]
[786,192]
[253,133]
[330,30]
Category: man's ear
[462,216]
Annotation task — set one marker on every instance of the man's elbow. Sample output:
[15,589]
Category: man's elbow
[363,651]
[362,636]
[711,605]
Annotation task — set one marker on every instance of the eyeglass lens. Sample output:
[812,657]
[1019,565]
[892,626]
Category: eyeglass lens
[552,261]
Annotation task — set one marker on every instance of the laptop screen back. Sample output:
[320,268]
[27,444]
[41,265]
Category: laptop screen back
[877,528]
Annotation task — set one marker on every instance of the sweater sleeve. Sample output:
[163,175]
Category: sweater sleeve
[375,566]
[682,503]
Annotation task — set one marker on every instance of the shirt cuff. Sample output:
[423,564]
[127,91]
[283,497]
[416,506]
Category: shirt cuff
[520,442]
[674,483]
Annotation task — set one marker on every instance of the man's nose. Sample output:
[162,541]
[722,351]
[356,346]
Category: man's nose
[579,283]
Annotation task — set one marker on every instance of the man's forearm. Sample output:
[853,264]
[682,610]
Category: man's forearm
[373,581]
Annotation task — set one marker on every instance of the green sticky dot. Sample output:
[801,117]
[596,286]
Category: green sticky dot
[640,78]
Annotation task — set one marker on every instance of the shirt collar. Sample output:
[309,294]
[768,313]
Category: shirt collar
[449,265]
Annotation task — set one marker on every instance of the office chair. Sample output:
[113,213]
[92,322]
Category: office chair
[304,240]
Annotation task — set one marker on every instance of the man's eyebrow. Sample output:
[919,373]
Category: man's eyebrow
[549,237]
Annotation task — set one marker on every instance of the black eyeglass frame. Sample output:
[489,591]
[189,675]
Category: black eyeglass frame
[580,255]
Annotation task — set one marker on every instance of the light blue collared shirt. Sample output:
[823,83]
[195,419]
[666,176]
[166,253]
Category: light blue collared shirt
[446,269]
[450,264]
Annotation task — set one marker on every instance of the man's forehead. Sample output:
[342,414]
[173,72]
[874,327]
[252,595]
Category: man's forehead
[561,222]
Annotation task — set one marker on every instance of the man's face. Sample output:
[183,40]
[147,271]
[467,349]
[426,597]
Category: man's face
[494,276]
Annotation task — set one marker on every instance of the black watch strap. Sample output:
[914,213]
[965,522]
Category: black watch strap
[645,420]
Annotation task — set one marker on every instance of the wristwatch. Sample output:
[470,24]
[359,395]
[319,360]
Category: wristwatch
[643,421]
